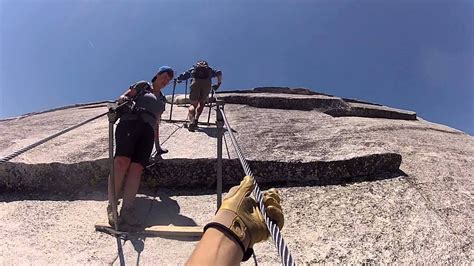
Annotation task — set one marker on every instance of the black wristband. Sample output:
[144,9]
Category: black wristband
[226,231]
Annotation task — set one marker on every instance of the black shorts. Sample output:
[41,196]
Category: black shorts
[134,139]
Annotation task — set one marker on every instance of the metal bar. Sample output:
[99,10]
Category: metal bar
[184,120]
[210,106]
[157,230]
[112,119]
[220,133]
[226,147]
[172,98]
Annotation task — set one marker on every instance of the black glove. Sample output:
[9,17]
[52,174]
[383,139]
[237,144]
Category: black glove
[180,78]
[216,86]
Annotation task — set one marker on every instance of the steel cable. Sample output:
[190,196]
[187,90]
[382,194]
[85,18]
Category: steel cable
[283,250]
[31,146]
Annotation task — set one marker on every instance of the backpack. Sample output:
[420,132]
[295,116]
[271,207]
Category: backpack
[202,72]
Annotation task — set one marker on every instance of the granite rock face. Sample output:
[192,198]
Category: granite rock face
[360,182]
[200,172]
[369,110]
[305,100]
[285,101]
[53,177]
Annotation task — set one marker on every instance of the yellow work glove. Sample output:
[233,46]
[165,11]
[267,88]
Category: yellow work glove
[239,216]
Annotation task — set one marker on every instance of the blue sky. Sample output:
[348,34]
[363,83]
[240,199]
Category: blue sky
[415,55]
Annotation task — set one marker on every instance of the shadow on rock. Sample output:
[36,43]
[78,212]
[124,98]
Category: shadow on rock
[343,181]
[209,131]
[164,211]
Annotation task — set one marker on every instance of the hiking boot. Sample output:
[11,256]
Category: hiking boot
[128,218]
[191,127]
[110,214]
[191,118]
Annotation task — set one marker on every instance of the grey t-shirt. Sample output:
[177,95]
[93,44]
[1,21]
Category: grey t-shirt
[152,104]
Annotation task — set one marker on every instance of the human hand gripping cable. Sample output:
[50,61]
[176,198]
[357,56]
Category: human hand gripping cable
[182,77]
[239,216]
[216,86]
[122,99]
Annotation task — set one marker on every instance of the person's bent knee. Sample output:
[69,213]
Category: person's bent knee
[122,162]
[201,104]
[136,168]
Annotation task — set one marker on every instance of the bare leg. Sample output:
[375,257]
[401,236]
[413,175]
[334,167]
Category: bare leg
[199,109]
[132,183]
[192,116]
[192,110]
[121,165]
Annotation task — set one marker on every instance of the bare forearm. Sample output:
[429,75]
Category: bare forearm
[215,248]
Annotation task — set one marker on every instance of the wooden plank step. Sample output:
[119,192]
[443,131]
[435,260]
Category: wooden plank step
[158,230]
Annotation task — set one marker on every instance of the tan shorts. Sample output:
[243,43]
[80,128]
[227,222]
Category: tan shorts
[199,94]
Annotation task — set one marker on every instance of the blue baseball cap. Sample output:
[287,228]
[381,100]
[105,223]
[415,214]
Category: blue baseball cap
[166,69]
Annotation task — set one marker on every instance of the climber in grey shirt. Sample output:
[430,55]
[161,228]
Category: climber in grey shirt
[136,132]
[149,105]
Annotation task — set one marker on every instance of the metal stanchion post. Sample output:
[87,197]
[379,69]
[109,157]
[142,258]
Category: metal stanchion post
[220,133]
[185,93]
[172,99]
[210,106]
[112,115]
[112,119]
